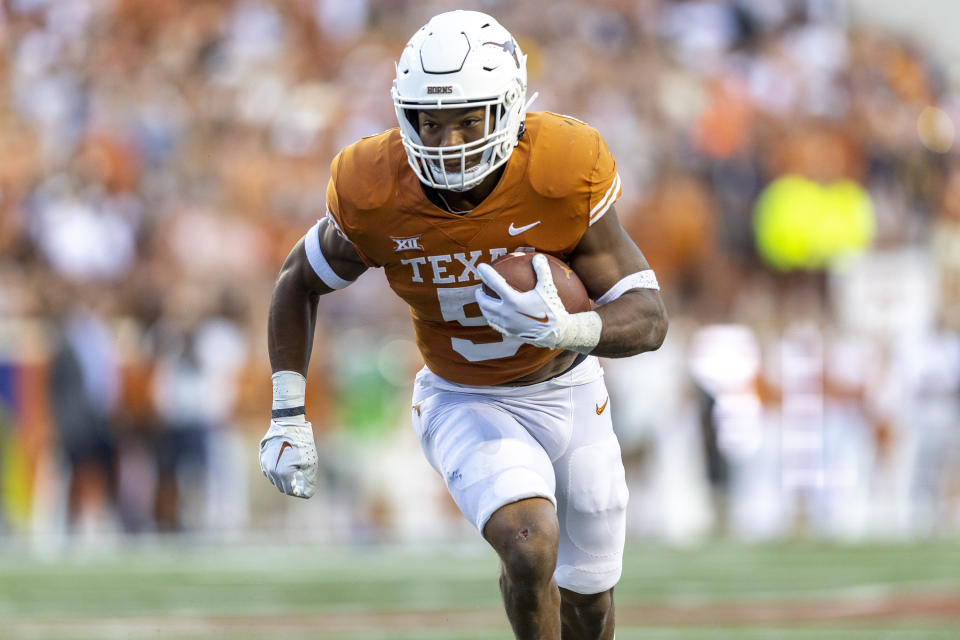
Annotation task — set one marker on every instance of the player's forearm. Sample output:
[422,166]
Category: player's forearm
[288,454]
[632,324]
[291,323]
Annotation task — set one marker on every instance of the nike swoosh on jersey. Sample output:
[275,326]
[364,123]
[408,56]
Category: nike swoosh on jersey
[544,318]
[601,408]
[515,231]
[283,447]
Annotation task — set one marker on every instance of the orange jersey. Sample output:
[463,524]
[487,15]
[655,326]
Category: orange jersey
[560,179]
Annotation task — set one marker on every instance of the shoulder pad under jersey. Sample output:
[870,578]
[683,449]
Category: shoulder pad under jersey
[563,153]
[365,172]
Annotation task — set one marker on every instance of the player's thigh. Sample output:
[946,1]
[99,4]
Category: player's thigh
[591,497]
[485,457]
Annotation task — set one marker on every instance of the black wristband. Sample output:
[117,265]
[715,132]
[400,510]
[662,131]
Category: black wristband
[288,413]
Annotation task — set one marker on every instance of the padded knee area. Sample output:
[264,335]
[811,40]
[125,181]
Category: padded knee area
[597,497]
[594,519]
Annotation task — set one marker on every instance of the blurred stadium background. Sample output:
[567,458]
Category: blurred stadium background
[791,171]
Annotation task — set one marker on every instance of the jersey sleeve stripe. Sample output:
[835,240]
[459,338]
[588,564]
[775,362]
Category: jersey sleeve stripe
[311,243]
[612,194]
[613,187]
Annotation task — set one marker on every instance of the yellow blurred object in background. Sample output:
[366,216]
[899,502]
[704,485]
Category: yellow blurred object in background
[800,224]
[15,487]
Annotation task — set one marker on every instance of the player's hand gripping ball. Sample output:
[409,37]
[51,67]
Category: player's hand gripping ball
[517,269]
[531,296]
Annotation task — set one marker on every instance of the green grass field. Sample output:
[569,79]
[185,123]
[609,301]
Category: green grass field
[716,592]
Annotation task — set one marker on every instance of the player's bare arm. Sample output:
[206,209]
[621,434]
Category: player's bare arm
[293,306]
[634,322]
[320,262]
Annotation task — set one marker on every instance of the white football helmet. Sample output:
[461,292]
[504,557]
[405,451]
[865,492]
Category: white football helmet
[461,59]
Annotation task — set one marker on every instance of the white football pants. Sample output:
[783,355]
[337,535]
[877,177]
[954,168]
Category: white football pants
[494,445]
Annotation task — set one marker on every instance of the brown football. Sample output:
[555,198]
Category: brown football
[517,269]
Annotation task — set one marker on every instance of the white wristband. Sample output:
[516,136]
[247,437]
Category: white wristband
[581,332]
[289,397]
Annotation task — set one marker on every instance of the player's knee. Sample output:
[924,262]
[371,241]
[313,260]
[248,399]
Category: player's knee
[525,536]
[531,559]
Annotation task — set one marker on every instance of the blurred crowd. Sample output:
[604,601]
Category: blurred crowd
[161,158]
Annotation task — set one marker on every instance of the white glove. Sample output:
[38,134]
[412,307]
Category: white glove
[537,316]
[288,455]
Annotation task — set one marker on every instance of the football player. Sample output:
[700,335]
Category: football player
[511,408]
